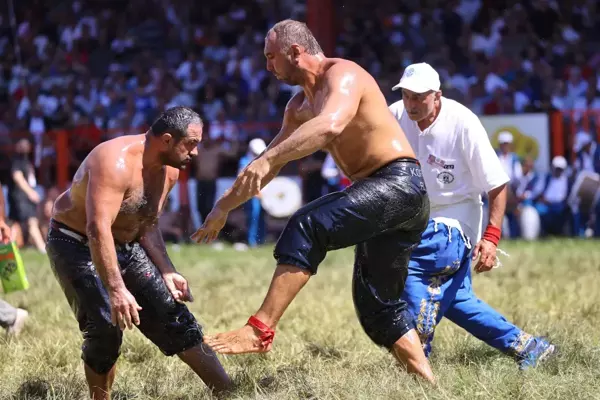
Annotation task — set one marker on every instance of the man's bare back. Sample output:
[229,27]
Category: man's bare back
[372,138]
[118,160]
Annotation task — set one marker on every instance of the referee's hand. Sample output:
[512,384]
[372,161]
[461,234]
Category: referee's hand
[486,251]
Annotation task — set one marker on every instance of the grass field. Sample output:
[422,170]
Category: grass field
[320,352]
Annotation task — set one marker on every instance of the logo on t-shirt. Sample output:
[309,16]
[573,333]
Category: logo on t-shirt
[445,177]
[433,160]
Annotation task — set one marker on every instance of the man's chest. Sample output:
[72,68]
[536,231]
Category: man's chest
[147,197]
[442,160]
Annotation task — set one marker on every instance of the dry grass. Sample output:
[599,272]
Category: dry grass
[548,288]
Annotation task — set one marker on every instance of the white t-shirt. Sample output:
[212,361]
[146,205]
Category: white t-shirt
[458,163]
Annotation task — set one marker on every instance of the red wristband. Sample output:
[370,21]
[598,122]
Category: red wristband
[492,234]
[267,334]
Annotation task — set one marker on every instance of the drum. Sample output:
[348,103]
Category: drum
[282,197]
[585,191]
[530,223]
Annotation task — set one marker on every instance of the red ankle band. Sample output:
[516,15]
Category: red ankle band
[267,334]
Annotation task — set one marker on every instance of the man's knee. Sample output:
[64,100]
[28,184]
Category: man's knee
[387,326]
[167,323]
[303,242]
[176,335]
[101,349]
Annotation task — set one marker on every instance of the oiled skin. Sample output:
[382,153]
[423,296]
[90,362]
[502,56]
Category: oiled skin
[143,200]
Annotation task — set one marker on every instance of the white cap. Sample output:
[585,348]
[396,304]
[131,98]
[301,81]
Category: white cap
[559,162]
[419,78]
[582,139]
[257,146]
[505,137]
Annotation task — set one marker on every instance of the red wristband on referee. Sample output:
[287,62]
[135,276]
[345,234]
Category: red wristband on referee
[492,234]
[267,334]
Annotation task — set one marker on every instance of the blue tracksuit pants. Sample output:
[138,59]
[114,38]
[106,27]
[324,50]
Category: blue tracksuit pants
[439,284]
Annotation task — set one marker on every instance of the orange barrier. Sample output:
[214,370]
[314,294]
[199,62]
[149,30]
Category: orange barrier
[320,18]
[65,139]
[557,134]
[564,125]
[61,146]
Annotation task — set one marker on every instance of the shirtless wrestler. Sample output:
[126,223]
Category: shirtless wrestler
[340,110]
[108,254]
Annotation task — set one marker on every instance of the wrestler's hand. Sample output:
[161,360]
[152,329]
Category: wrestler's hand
[248,182]
[214,222]
[5,234]
[487,250]
[123,308]
[178,286]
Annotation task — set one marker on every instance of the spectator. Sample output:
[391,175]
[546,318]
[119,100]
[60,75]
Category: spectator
[587,153]
[255,214]
[12,319]
[531,185]
[169,224]
[528,188]
[115,64]
[24,197]
[509,159]
[312,179]
[552,204]
[208,167]
[335,178]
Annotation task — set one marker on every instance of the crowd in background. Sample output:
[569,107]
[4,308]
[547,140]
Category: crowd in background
[104,68]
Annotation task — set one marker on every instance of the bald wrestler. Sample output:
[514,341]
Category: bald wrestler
[340,110]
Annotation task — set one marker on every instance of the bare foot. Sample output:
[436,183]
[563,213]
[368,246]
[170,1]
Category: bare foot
[244,340]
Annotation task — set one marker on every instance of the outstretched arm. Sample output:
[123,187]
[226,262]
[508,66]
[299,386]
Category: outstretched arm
[237,194]
[233,198]
[338,106]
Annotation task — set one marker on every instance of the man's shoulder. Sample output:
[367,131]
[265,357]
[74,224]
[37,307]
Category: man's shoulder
[341,68]
[462,119]
[111,157]
[458,110]
[343,64]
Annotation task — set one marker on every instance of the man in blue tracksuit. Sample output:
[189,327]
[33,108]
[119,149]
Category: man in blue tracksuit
[458,164]
[255,214]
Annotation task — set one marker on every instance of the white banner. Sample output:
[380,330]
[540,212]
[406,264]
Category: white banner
[531,135]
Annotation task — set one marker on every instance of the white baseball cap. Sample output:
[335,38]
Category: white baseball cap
[505,137]
[419,78]
[559,162]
